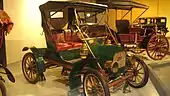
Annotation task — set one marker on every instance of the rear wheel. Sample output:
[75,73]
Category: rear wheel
[29,68]
[140,71]
[157,47]
[94,84]
[2,88]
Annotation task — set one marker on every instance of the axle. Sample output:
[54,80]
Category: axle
[114,83]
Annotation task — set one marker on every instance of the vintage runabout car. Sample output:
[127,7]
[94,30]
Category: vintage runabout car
[142,33]
[77,40]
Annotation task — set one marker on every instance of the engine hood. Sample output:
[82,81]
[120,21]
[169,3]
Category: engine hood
[113,53]
[106,52]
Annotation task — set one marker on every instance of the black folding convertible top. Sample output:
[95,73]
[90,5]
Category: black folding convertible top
[122,4]
[64,6]
[76,4]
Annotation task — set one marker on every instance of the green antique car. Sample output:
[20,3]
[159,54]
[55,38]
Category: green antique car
[77,40]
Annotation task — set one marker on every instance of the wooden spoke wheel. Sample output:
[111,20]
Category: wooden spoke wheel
[140,73]
[29,68]
[157,47]
[94,84]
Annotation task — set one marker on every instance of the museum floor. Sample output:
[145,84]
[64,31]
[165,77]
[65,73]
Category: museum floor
[158,83]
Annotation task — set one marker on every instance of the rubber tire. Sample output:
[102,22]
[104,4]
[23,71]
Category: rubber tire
[2,88]
[24,58]
[100,77]
[146,72]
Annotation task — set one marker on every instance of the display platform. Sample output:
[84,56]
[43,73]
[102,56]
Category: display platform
[159,74]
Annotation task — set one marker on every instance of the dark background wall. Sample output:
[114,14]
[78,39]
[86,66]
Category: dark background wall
[1,4]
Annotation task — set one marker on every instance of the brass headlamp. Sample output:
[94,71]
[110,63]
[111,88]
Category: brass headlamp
[84,51]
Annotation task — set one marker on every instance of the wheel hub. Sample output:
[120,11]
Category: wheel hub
[135,71]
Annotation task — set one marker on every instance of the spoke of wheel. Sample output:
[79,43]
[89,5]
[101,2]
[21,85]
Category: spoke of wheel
[151,48]
[133,64]
[89,92]
[140,73]
[133,79]
[153,54]
[137,66]
[26,68]
[95,81]
[29,59]
[139,77]
[29,72]
[34,75]
[27,62]
[98,87]
[99,93]
[91,80]
[27,65]
[139,69]
[152,42]
[31,75]
[89,87]
[160,54]
[157,55]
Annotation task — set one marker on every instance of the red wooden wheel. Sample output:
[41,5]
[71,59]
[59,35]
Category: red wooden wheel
[157,47]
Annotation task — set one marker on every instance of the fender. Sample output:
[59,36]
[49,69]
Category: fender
[38,54]
[8,73]
[38,51]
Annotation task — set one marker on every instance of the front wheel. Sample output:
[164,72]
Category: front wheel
[140,73]
[2,88]
[29,68]
[94,84]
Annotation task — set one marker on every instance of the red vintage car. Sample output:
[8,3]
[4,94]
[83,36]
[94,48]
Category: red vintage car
[146,33]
